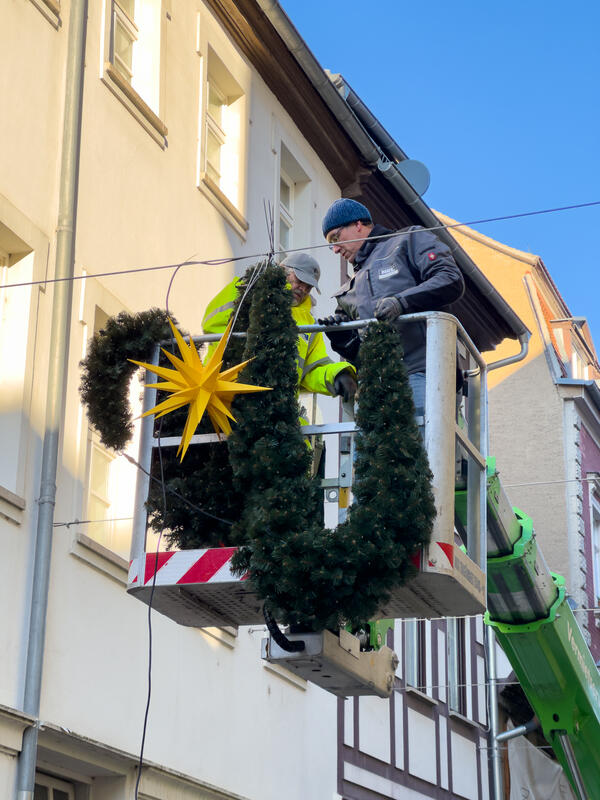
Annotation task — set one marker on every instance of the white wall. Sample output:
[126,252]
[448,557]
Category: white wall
[218,715]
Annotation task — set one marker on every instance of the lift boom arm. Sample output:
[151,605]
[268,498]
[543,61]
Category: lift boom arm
[537,630]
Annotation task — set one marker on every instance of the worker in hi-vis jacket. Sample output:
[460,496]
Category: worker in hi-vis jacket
[316,371]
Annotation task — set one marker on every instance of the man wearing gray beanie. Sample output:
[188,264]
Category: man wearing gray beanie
[395,273]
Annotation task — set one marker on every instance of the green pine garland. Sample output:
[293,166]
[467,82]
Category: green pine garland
[309,576]
[312,577]
[106,372]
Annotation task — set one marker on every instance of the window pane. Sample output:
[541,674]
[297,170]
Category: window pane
[58,794]
[284,234]
[215,105]
[123,47]
[99,473]
[285,194]
[213,156]
[40,792]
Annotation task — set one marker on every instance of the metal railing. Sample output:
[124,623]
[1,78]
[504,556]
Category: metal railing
[444,436]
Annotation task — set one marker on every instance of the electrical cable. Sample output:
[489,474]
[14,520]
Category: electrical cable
[232,259]
[548,483]
[89,522]
[151,598]
[280,638]
[161,480]
[176,494]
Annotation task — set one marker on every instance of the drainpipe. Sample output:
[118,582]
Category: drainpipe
[494,754]
[504,362]
[55,392]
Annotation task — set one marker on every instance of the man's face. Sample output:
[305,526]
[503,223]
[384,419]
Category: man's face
[300,290]
[341,238]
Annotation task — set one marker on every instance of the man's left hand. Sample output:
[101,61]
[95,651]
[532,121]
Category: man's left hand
[388,308]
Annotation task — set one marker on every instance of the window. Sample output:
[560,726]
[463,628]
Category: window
[47,788]
[223,124]
[286,210]
[595,512]
[221,139]
[111,480]
[293,200]
[415,649]
[215,135]
[16,265]
[132,59]
[457,690]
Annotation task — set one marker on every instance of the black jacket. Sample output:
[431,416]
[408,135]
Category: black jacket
[415,267]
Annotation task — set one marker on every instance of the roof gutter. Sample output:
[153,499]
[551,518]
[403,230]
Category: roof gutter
[372,154]
[374,128]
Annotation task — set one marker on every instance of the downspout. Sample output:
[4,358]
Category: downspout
[504,362]
[55,392]
[494,754]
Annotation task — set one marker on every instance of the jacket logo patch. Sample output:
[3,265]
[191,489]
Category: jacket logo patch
[387,272]
[431,256]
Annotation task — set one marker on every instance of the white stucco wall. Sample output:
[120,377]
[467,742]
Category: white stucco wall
[218,715]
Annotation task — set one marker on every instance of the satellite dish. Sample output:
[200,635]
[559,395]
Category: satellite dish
[414,172]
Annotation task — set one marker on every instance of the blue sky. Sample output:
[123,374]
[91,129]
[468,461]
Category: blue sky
[501,101]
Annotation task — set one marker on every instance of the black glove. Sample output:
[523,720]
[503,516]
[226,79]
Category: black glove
[388,308]
[345,385]
[334,319]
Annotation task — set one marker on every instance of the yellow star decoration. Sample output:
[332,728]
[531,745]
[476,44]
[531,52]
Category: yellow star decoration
[200,385]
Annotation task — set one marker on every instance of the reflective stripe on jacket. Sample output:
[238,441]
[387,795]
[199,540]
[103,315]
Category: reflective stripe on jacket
[316,371]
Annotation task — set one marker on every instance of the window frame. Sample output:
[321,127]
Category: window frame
[52,783]
[222,67]
[456,666]
[415,650]
[120,84]
[121,18]
[215,128]
[286,213]
[595,543]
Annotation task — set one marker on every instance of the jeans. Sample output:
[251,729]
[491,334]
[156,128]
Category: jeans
[416,381]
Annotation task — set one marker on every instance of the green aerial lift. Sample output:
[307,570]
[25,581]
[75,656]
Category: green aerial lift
[529,611]
[526,603]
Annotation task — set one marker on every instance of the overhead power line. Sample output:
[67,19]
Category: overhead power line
[263,255]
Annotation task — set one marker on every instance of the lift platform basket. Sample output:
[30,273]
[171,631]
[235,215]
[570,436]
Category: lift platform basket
[197,588]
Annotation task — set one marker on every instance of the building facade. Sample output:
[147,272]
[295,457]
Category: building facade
[142,136]
[544,419]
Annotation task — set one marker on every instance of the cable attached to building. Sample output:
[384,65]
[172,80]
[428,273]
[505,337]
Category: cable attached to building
[280,638]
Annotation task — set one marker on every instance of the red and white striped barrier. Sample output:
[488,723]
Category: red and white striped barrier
[181,567]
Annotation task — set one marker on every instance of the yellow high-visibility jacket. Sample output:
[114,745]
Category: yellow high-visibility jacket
[316,371]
